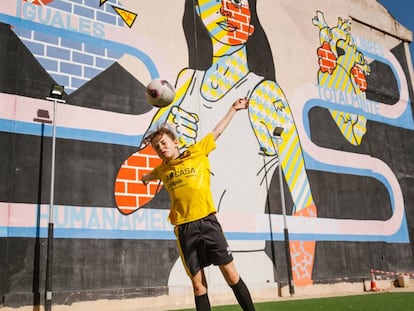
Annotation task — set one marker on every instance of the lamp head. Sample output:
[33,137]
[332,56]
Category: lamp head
[278,131]
[56,91]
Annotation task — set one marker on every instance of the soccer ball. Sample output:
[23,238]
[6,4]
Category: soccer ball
[160,93]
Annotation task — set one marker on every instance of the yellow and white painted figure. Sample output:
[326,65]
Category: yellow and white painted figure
[204,95]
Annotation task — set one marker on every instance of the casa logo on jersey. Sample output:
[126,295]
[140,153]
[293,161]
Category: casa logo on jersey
[181,172]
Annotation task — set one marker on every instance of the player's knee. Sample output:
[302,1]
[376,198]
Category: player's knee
[230,273]
[199,285]
[233,279]
[199,288]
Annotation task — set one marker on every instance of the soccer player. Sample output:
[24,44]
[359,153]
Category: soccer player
[186,177]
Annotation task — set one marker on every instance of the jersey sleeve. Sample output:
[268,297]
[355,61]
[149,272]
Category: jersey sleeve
[156,174]
[207,143]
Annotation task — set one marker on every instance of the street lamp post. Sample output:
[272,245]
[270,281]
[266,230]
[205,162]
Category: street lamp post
[55,96]
[278,134]
[263,153]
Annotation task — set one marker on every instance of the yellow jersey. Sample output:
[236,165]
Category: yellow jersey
[187,180]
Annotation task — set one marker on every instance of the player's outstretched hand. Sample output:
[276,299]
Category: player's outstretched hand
[241,103]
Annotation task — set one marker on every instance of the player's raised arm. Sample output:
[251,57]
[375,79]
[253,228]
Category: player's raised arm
[241,103]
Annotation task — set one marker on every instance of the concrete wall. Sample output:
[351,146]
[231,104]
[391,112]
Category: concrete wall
[336,75]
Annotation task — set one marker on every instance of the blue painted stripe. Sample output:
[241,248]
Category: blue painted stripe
[403,121]
[32,232]
[114,234]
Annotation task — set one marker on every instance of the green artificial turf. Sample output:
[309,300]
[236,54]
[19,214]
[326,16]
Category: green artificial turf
[397,301]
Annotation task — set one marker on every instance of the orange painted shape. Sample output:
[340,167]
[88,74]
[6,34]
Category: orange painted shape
[242,18]
[154,188]
[327,59]
[234,41]
[125,201]
[136,188]
[242,36]
[148,150]
[144,200]
[127,173]
[130,192]
[245,11]
[142,172]
[153,162]
[302,253]
[302,258]
[38,2]
[309,211]
[137,160]
[125,211]
[360,78]
[119,186]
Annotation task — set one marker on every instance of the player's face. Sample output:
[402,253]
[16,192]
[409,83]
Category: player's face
[227,21]
[165,147]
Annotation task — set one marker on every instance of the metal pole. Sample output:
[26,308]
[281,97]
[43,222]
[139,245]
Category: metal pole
[50,229]
[285,227]
[263,153]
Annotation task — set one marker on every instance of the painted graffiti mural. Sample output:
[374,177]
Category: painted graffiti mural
[342,67]
[344,185]
[228,77]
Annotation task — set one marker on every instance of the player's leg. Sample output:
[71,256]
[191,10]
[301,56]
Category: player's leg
[237,285]
[199,283]
[200,291]
[230,273]
[219,253]
[187,241]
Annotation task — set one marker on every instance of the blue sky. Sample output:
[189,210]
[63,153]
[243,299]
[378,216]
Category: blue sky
[403,12]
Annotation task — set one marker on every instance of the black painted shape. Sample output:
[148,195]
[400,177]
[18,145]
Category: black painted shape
[115,89]
[20,72]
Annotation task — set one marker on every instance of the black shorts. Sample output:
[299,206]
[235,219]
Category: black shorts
[202,243]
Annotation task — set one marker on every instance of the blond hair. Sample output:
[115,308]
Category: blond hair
[164,128]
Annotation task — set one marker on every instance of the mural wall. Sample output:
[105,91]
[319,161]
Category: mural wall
[337,79]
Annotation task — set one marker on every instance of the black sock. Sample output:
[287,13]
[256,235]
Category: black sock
[243,296]
[202,303]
